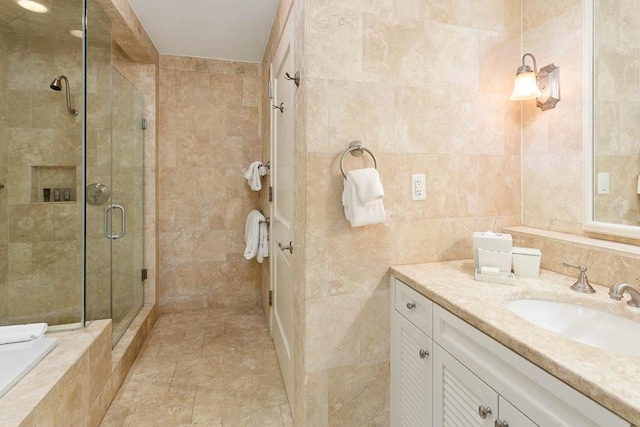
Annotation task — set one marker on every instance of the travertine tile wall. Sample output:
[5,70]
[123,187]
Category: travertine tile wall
[426,89]
[617,97]
[552,174]
[4,171]
[43,239]
[209,128]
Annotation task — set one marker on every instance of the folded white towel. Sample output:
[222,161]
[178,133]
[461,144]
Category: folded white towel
[253,174]
[358,214]
[368,185]
[20,333]
[256,236]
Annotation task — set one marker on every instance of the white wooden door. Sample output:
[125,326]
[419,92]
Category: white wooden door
[459,396]
[283,248]
[411,377]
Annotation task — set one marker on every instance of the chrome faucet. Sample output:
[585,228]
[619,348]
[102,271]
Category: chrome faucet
[617,291]
[582,284]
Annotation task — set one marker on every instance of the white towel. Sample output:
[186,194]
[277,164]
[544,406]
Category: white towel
[256,236]
[263,242]
[368,185]
[253,174]
[20,333]
[358,214]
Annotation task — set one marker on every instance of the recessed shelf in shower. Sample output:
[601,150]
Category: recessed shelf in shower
[52,177]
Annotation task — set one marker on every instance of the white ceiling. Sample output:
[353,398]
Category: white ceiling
[222,29]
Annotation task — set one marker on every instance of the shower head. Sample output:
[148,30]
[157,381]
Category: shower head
[56,85]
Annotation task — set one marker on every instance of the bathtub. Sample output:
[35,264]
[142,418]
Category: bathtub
[16,360]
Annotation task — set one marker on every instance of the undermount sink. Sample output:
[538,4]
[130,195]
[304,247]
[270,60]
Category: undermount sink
[582,324]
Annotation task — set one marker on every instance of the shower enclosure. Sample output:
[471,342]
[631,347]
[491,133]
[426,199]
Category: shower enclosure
[68,119]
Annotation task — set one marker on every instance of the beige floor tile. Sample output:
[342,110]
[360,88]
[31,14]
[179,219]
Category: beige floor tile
[180,351]
[261,417]
[149,379]
[204,368]
[199,372]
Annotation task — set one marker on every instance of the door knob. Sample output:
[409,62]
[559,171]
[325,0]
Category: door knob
[411,305]
[423,353]
[283,248]
[500,423]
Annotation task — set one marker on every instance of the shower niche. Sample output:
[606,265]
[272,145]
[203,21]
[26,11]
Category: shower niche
[51,184]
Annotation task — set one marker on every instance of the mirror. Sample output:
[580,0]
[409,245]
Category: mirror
[612,117]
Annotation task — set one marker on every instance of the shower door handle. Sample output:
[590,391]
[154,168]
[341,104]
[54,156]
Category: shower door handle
[107,234]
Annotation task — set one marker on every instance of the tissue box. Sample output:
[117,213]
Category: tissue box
[489,241]
[526,261]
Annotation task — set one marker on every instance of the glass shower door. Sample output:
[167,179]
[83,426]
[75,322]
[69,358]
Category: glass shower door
[124,218]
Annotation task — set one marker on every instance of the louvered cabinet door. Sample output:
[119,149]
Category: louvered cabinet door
[460,398]
[411,385]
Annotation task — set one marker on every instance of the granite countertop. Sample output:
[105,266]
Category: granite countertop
[611,379]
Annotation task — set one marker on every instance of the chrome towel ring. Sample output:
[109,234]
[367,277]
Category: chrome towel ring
[356,148]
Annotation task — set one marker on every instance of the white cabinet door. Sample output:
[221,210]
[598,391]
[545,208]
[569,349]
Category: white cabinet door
[510,416]
[460,399]
[411,385]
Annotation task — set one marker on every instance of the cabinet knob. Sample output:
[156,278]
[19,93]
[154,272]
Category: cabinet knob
[500,423]
[411,305]
[484,411]
[423,353]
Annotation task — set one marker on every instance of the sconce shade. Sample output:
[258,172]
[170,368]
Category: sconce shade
[525,86]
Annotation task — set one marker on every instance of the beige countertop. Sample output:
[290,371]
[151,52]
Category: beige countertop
[611,379]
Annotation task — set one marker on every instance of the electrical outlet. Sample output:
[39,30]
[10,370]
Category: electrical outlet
[418,187]
[603,183]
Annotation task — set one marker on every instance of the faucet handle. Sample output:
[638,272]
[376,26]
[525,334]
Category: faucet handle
[581,267]
[582,284]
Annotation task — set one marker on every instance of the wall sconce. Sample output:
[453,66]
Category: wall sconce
[543,85]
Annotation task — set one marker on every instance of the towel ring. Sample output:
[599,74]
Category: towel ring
[356,148]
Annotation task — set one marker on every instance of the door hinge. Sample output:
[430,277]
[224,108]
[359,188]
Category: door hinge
[143,123]
[270,194]
[144,274]
[270,298]
[270,90]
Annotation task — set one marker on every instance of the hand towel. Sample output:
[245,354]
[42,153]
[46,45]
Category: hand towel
[358,214]
[368,185]
[263,242]
[20,333]
[252,233]
[253,174]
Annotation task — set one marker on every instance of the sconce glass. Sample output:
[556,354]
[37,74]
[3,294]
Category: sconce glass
[543,85]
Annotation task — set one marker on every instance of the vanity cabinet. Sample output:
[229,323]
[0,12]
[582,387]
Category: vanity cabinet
[466,378]
[411,360]
[460,398]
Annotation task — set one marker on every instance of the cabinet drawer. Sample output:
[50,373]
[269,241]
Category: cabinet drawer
[414,307]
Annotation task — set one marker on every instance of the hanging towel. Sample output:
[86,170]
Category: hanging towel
[368,185]
[263,242]
[253,174]
[256,237]
[20,333]
[355,211]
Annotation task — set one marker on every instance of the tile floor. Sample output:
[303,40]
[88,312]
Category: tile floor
[204,368]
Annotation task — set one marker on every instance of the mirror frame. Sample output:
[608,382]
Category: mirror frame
[590,224]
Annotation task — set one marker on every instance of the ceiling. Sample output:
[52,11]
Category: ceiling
[234,30]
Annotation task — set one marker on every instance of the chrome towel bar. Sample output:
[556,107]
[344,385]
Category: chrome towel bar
[356,148]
